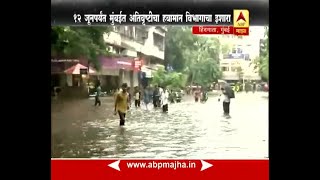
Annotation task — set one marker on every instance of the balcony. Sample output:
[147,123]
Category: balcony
[159,30]
[138,39]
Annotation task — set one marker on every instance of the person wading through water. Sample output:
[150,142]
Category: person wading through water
[122,104]
[156,97]
[227,94]
[147,95]
[197,94]
[137,97]
[98,93]
[164,100]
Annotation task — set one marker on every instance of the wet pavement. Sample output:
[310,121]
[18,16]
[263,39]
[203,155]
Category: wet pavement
[189,130]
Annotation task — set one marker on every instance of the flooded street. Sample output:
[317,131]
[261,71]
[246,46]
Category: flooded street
[189,130]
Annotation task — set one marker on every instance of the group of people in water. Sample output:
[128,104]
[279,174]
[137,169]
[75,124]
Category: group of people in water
[160,97]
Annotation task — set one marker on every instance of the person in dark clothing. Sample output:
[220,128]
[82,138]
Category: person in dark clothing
[254,87]
[98,93]
[247,87]
[197,94]
[225,103]
[156,97]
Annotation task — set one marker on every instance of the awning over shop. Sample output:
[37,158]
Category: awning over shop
[58,66]
[76,69]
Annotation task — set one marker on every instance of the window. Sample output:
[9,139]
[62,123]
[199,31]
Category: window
[234,50]
[116,28]
[129,32]
[239,51]
[158,41]
[225,68]
[141,35]
[121,29]
[235,69]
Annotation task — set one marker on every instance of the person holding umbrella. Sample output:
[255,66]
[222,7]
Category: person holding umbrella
[227,93]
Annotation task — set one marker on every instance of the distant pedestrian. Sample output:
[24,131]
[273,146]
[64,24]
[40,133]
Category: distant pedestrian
[147,94]
[122,104]
[247,87]
[137,98]
[226,94]
[156,97]
[98,93]
[165,100]
[254,87]
[225,103]
[161,89]
[197,94]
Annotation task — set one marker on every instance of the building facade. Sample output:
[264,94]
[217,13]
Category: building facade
[238,63]
[136,52]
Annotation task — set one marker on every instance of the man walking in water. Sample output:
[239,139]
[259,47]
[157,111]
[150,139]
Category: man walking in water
[254,87]
[227,94]
[122,104]
[225,103]
[98,92]
[164,100]
[156,97]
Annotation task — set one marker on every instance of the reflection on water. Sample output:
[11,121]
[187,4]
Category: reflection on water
[189,130]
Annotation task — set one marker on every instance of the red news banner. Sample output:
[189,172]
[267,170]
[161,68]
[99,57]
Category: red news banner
[86,169]
[220,30]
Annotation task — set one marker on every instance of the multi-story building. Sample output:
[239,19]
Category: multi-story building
[237,64]
[136,52]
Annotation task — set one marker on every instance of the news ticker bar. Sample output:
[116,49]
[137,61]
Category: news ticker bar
[159,169]
[62,11]
[150,18]
[238,31]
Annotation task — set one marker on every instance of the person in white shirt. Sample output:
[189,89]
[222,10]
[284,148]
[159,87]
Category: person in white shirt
[165,100]
[137,98]
[160,93]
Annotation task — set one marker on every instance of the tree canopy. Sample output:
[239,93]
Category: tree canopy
[171,80]
[195,56]
[263,61]
[78,42]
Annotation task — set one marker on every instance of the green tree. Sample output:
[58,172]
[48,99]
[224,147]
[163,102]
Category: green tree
[79,42]
[178,40]
[197,57]
[169,79]
[262,62]
[225,49]
[203,67]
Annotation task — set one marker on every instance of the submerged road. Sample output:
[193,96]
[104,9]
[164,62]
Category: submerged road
[189,130]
